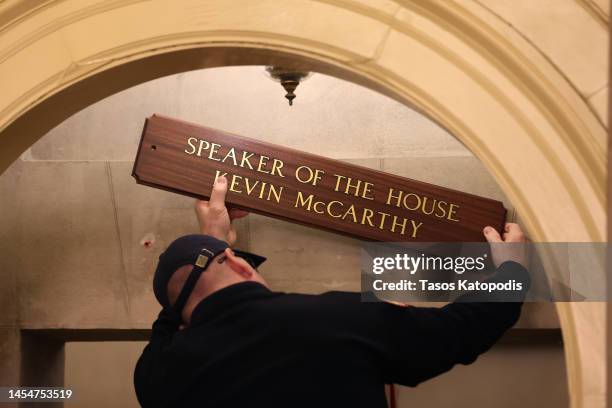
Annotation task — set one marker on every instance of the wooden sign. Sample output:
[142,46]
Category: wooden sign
[308,189]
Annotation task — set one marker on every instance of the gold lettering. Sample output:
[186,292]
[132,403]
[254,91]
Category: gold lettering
[245,159]
[234,183]
[297,174]
[313,176]
[367,214]
[349,186]
[315,207]
[277,165]
[367,190]
[441,211]
[277,195]
[338,178]
[356,185]
[433,206]
[395,223]
[382,219]
[329,208]
[451,212]
[262,189]
[189,142]
[351,211]
[249,187]
[231,153]
[201,147]
[398,197]
[214,149]
[302,202]
[405,201]
[415,228]
[263,160]
[317,177]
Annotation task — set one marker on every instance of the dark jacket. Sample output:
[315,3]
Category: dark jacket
[250,347]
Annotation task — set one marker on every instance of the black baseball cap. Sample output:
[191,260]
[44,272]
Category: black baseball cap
[198,250]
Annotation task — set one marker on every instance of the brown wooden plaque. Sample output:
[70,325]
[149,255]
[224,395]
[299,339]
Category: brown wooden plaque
[308,189]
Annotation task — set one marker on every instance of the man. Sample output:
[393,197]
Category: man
[224,339]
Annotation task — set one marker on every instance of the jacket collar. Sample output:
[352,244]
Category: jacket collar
[227,297]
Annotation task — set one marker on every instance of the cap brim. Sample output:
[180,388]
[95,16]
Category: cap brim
[252,259]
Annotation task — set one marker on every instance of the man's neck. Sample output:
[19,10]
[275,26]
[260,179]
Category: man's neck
[207,288]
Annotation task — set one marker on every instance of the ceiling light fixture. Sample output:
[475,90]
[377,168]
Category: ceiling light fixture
[288,78]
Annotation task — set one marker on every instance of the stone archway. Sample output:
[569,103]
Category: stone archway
[456,63]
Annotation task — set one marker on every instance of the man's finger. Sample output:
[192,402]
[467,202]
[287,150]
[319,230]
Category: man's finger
[217,197]
[491,234]
[512,231]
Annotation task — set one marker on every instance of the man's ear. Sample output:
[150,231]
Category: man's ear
[239,265]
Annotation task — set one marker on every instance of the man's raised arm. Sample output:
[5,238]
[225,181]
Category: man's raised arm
[426,342]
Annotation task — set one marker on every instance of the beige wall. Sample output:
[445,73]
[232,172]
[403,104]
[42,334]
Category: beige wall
[508,376]
[110,366]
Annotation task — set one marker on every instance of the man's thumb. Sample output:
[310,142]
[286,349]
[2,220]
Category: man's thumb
[491,234]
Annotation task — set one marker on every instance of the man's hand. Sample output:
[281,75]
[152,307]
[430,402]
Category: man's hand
[213,216]
[511,248]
